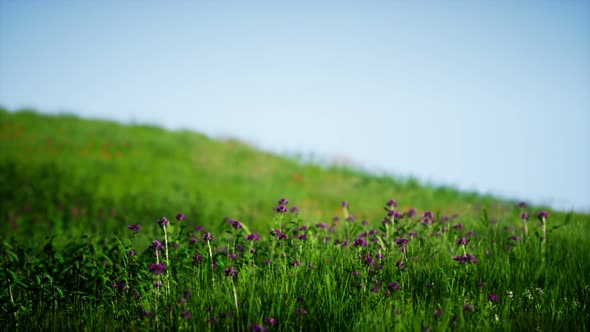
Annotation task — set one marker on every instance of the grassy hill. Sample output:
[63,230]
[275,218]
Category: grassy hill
[112,166]
[73,191]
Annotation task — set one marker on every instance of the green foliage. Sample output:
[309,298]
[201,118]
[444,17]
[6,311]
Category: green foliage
[70,187]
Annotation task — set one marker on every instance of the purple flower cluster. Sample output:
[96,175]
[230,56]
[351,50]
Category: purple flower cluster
[391,204]
[462,241]
[234,223]
[493,297]
[197,259]
[181,217]
[270,321]
[207,236]
[157,268]
[257,328]
[301,311]
[281,235]
[282,207]
[163,222]
[427,218]
[524,216]
[133,227]
[230,271]
[186,315]
[360,242]
[542,215]
[467,258]
[401,241]
[120,286]
[394,286]
[156,245]
[252,237]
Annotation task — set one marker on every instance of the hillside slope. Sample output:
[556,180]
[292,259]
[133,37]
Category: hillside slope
[102,170]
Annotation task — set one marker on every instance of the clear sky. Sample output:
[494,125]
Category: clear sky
[492,96]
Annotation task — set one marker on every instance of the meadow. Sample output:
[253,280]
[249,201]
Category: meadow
[133,227]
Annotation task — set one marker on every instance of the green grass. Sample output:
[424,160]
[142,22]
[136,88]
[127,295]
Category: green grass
[70,187]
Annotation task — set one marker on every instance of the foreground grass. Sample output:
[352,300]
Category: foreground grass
[405,273]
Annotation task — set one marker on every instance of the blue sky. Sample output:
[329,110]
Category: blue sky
[480,95]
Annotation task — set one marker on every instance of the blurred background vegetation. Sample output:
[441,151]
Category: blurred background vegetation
[63,175]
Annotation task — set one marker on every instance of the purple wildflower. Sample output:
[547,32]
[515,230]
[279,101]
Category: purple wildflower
[411,213]
[301,311]
[252,237]
[133,227]
[401,241]
[186,315]
[467,258]
[239,247]
[157,245]
[180,217]
[296,263]
[258,328]
[267,262]
[283,201]
[391,203]
[234,223]
[207,236]
[426,221]
[524,216]
[294,209]
[230,271]
[493,297]
[360,242]
[197,259]
[542,215]
[281,208]
[344,204]
[394,286]
[468,307]
[163,222]
[462,241]
[131,252]
[522,204]
[157,284]
[233,256]
[302,237]
[514,238]
[458,227]
[321,225]
[157,268]
[270,321]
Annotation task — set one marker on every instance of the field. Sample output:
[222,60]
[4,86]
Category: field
[133,227]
